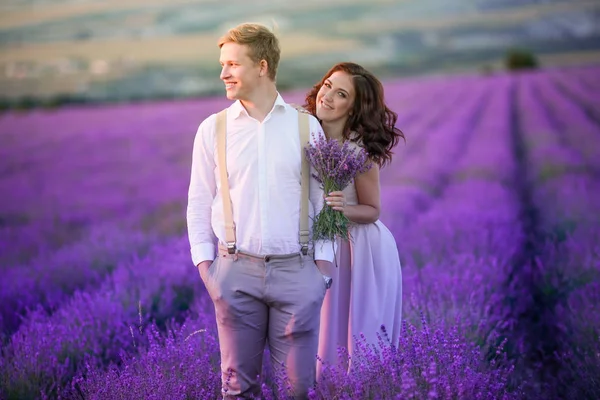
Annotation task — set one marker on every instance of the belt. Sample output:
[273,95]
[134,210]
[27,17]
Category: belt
[267,257]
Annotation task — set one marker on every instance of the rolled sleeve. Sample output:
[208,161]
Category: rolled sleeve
[203,252]
[325,250]
[201,194]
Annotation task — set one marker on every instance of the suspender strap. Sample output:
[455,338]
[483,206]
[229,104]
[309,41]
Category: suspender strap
[221,125]
[303,127]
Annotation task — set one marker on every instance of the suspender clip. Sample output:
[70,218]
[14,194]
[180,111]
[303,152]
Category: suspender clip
[304,235]
[304,249]
[231,248]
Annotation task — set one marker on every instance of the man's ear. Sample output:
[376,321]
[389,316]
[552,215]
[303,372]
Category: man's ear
[264,68]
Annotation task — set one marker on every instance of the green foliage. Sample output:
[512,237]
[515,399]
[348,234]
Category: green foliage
[517,59]
[25,103]
[4,104]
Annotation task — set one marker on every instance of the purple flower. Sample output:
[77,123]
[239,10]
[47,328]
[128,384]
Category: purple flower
[336,166]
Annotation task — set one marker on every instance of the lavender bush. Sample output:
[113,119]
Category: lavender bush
[52,277]
[182,363]
[564,260]
[424,364]
[97,325]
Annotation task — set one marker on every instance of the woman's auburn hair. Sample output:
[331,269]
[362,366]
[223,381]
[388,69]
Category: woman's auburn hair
[371,122]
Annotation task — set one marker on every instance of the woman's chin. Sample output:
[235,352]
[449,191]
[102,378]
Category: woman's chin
[322,116]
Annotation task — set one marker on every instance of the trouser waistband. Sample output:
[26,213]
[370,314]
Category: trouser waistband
[266,257]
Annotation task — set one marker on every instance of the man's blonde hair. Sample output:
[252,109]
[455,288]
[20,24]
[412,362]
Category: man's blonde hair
[263,44]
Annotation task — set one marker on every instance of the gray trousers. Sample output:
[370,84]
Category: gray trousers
[256,298]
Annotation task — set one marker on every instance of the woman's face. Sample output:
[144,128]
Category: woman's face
[335,99]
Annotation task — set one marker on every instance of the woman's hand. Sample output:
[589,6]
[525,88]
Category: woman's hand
[337,201]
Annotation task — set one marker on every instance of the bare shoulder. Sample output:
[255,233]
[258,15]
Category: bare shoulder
[372,174]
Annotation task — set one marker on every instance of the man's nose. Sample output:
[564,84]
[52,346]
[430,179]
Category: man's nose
[224,72]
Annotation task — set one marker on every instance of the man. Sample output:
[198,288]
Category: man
[263,283]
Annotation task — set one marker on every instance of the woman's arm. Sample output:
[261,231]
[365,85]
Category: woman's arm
[369,202]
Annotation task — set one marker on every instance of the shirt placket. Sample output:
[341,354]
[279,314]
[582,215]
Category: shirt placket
[263,185]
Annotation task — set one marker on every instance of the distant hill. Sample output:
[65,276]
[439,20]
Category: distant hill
[125,49]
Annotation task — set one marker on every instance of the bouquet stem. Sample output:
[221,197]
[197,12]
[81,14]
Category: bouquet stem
[330,224]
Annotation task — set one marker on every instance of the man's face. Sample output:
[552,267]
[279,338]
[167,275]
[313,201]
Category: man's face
[239,73]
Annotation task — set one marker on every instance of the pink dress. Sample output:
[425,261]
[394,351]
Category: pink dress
[366,291]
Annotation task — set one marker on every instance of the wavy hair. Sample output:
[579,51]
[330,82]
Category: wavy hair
[371,122]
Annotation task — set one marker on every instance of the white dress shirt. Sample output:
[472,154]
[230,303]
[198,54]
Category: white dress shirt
[264,167]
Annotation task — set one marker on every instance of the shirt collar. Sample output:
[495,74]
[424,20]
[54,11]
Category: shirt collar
[238,109]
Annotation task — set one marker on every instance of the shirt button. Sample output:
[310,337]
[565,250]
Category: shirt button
[267,258]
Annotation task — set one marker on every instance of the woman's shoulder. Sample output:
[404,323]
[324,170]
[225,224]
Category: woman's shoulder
[299,108]
[355,140]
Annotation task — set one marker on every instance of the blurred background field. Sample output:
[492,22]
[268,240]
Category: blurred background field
[494,199]
[94,50]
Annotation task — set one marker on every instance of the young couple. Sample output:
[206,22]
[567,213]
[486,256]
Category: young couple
[249,228]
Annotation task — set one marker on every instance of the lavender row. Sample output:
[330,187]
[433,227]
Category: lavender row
[560,151]
[418,129]
[476,193]
[109,173]
[53,276]
[563,265]
[96,327]
[466,237]
[421,124]
[442,93]
[66,126]
[429,361]
[420,167]
[572,121]
[569,199]
[576,91]
[488,298]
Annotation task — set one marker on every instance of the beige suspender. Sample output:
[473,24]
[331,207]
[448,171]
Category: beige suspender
[222,160]
[304,128]
[221,127]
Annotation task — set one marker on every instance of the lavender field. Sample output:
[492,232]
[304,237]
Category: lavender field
[494,201]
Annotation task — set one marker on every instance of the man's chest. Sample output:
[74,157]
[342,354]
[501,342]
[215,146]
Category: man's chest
[271,154]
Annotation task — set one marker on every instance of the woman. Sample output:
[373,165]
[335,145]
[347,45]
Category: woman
[367,282]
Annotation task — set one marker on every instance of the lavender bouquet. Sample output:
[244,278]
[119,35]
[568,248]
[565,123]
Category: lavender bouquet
[336,165]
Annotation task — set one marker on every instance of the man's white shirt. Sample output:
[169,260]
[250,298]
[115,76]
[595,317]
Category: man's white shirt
[264,168]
